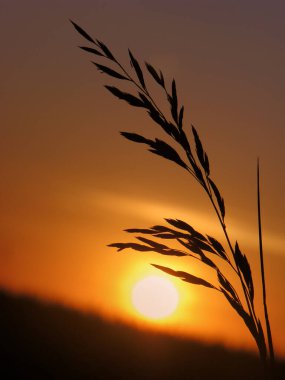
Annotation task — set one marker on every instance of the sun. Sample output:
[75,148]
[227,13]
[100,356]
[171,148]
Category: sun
[155,297]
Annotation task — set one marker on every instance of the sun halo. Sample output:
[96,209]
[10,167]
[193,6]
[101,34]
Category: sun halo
[155,297]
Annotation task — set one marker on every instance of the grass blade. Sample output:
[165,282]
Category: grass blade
[268,329]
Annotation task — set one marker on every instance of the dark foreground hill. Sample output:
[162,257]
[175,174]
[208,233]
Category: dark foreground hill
[44,341]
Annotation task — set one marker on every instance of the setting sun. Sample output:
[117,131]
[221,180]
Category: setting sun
[155,297]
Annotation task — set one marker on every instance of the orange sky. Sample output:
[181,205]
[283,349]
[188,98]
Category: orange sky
[70,184]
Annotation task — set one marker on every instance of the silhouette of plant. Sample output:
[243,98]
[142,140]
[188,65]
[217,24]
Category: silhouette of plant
[196,162]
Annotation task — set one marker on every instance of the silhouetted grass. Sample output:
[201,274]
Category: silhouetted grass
[46,341]
[188,153]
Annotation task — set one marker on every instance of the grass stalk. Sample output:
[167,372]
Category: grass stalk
[268,329]
[250,305]
[195,160]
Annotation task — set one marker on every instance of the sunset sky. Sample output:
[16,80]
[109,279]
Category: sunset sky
[70,184]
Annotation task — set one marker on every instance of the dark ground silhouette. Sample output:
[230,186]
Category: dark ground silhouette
[47,341]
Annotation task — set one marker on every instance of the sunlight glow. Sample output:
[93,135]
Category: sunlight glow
[155,297]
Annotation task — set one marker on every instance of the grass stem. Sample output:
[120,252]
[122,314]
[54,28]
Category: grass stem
[268,329]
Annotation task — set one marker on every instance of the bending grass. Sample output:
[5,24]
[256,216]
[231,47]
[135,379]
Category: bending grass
[190,155]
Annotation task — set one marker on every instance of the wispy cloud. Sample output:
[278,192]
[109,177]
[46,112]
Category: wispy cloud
[148,211]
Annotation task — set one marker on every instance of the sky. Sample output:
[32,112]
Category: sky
[70,184]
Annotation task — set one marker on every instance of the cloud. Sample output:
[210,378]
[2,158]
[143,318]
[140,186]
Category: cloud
[150,211]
